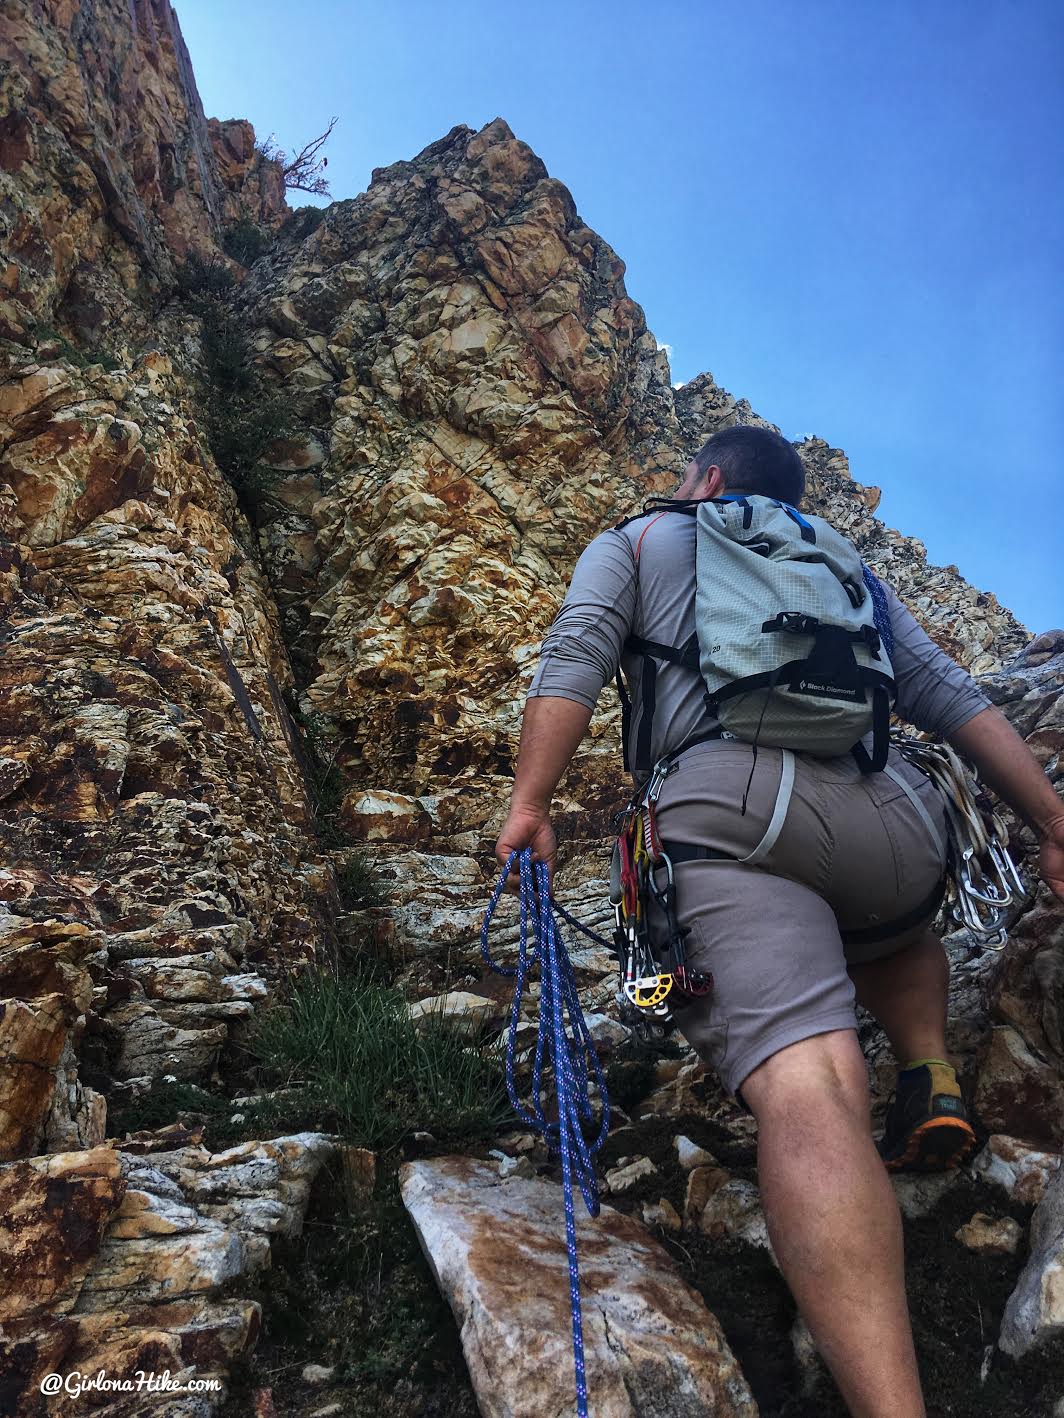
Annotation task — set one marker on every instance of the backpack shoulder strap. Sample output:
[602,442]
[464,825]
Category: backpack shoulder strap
[651,650]
[688,505]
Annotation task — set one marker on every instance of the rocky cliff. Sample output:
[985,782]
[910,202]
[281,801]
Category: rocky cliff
[469,394]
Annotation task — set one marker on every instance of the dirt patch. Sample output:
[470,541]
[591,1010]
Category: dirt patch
[956,1297]
[354,1294]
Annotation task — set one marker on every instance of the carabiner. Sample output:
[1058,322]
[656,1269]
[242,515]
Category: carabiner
[665,895]
[659,773]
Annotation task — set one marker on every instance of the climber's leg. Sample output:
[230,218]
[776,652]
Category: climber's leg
[833,1219]
[907,993]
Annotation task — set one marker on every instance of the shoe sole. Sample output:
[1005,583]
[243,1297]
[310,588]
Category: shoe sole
[938,1145]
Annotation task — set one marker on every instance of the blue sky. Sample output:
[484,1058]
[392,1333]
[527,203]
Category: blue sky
[849,212]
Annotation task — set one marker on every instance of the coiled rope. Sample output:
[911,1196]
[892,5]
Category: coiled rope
[564,1043]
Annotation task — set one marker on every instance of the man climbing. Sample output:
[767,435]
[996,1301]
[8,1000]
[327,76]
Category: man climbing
[839,907]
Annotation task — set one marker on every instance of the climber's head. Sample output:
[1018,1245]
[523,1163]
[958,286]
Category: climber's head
[745,458]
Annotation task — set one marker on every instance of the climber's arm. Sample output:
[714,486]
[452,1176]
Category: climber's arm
[550,735]
[581,652]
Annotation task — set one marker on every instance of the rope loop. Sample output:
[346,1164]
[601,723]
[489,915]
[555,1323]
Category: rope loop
[564,1044]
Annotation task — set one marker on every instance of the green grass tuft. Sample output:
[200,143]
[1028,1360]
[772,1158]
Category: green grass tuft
[359,884]
[377,1077]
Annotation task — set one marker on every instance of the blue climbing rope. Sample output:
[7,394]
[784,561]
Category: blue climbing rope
[880,609]
[564,1043]
[559,910]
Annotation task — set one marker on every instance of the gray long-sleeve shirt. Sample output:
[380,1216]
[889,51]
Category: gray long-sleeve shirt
[612,596]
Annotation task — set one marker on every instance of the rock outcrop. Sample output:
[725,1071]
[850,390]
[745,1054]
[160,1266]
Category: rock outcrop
[109,170]
[471,394]
[1034,1316]
[498,1250]
[116,1259]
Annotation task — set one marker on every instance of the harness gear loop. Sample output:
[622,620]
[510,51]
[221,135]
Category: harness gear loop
[652,978]
[984,884]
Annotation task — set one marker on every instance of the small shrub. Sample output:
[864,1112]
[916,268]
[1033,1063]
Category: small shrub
[244,413]
[240,429]
[166,1103]
[303,171]
[245,242]
[326,780]
[227,352]
[202,277]
[353,1042]
[303,221]
[81,358]
[356,1292]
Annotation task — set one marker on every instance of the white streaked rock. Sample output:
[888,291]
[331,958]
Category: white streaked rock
[498,1252]
[1034,1314]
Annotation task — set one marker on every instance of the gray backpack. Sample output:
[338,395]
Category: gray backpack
[792,635]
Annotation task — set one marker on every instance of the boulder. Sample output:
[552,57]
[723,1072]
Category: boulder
[498,1252]
[989,1235]
[1034,1314]
[734,1211]
[1020,1168]
[458,1009]
[628,1173]
[702,1182]
[690,1155]
[1017,1091]
[918,1193]
[662,1213]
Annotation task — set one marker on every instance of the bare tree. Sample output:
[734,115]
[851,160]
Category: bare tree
[303,172]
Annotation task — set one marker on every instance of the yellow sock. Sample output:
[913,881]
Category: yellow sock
[943,1076]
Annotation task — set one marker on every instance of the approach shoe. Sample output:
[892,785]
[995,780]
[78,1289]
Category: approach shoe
[926,1127]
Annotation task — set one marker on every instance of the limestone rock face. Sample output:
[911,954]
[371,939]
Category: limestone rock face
[113,1255]
[473,396]
[151,794]
[1021,1170]
[107,166]
[491,398]
[498,1251]
[1035,1312]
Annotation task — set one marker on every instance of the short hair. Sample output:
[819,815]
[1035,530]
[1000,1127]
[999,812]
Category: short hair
[757,460]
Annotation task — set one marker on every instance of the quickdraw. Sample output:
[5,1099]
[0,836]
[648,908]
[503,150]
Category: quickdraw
[985,886]
[654,978]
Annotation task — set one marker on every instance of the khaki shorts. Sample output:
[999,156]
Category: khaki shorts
[840,868]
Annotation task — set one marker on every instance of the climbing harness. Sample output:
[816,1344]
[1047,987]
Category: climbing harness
[655,978]
[564,1043]
[984,883]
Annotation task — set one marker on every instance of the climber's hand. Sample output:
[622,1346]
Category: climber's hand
[1051,857]
[527,826]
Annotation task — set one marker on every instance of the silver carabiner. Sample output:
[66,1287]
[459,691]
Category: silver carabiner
[661,894]
[659,773]
[1007,869]
[989,896]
